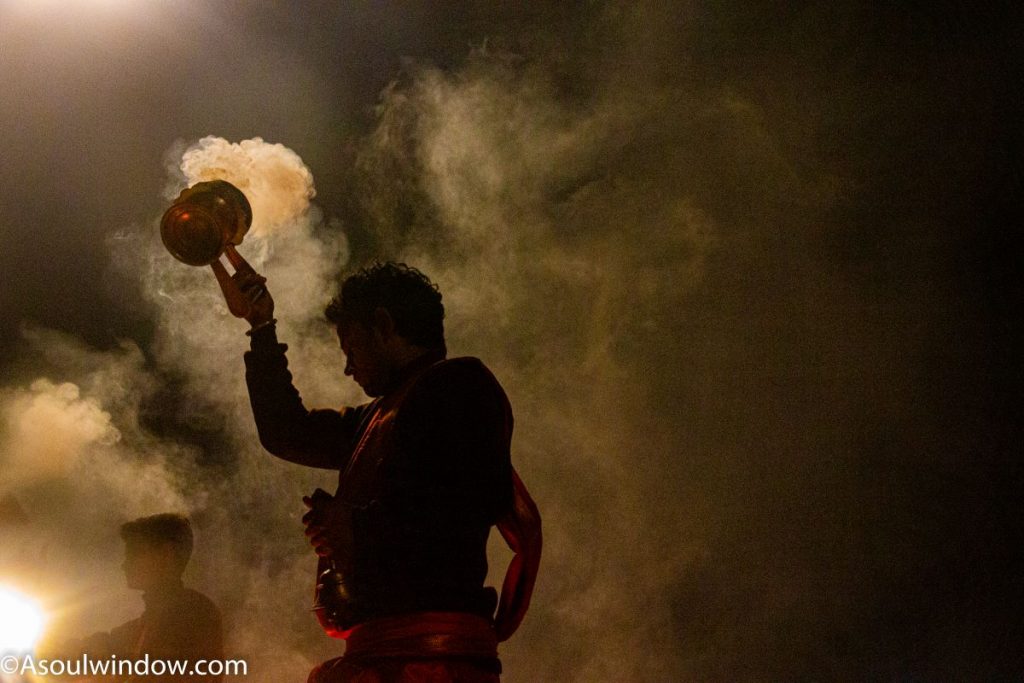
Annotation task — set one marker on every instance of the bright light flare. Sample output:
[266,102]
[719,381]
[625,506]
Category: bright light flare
[21,621]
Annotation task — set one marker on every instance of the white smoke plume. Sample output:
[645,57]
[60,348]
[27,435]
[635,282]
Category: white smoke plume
[265,573]
[273,178]
[195,333]
[48,427]
[86,448]
[78,462]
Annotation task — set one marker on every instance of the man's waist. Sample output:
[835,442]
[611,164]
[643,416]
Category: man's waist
[392,578]
[424,634]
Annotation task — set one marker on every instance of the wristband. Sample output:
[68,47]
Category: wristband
[265,323]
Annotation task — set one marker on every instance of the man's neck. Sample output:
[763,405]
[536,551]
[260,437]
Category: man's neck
[409,355]
[408,360]
[160,591]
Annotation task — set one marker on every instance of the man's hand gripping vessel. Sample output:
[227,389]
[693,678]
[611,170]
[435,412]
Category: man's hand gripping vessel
[333,604]
[206,221]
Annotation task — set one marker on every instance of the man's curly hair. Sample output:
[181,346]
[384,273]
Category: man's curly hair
[413,301]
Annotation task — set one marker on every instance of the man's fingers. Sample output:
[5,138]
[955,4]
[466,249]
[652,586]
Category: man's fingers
[246,276]
[252,283]
[321,545]
[247,281]
[254,288]
[316,532]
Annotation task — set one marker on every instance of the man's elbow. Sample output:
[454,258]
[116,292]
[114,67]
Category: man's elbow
[285,446]
[280,445]
[271,441]
[500,501]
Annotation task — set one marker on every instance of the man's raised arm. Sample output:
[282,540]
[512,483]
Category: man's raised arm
[315,438]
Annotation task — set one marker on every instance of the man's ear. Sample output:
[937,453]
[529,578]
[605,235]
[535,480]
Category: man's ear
[383,323]
[169,558]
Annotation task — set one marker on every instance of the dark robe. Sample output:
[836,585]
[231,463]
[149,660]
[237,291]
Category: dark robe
[432,474]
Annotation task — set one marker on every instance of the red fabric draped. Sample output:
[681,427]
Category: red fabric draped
[520,528]
[424,647]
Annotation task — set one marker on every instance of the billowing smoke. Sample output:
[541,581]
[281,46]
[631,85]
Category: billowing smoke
[287,243]
[103,443]
[279,184]
[565,261]
[263,584]
[49,426]
[76,458]
[574,239]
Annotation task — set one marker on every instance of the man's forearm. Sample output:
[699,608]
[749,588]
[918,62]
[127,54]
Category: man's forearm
[286,428]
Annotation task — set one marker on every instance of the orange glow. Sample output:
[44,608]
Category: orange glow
[21,621]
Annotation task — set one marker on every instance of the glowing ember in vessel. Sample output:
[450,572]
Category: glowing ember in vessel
[21,621]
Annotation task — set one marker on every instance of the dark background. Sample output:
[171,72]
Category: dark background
[840,382]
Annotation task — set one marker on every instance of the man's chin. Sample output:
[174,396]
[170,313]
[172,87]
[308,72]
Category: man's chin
[369,388]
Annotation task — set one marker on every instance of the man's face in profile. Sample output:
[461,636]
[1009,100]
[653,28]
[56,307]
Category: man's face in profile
[365,360]
[148,565]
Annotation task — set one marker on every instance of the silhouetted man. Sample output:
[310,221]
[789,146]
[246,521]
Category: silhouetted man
[178,623]
[424,470]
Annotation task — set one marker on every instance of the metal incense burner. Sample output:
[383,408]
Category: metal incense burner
[205,222]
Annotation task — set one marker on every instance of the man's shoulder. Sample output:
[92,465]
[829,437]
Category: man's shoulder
[464,373]
[461,366]
[196,603]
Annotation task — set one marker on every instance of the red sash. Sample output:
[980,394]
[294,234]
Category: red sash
[520,527]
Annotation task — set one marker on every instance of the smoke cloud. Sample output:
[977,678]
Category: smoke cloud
[76,458]
[111,436]
[567,248]
[274,177]
[263,583]
[49,426]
